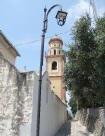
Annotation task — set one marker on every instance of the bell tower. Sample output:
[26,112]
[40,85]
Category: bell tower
[54,65]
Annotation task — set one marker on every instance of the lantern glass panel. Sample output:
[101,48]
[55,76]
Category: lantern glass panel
[61,14]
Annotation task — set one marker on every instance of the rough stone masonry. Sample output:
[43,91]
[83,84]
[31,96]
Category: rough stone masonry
[15,99]
[93,119]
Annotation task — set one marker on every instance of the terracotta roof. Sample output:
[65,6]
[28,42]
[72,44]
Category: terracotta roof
[9,43]
[56,38]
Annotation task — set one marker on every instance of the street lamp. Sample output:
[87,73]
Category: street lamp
[61,18]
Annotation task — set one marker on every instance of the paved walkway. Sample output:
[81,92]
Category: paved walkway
[64,130]
[73,128]
[78,130]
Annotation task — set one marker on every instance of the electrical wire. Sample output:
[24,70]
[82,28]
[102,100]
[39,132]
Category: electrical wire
[35,41]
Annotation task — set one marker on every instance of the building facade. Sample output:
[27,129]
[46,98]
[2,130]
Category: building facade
[7,50]
[54,65]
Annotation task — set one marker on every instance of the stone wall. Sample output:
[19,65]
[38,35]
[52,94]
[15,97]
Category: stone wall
[9,86]
[18,103]
[93,119]
[26,103]
[15,100]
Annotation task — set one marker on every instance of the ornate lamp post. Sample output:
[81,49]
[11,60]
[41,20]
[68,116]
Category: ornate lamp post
[61,18]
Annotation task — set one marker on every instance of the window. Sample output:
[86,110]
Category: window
[59,52]
[54,52]
[54,65]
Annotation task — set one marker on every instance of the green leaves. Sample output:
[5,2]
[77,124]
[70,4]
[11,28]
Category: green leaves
[84,72]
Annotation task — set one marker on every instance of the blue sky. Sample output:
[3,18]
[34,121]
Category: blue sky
[21,21]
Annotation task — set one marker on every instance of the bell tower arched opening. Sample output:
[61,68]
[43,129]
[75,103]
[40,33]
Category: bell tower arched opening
[54,65]
[54,52]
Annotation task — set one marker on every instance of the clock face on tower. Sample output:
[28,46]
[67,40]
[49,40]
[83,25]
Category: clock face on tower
[54,65]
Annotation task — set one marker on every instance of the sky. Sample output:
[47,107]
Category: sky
[21,21]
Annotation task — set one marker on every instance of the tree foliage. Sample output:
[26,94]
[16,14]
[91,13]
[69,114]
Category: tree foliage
[84,72]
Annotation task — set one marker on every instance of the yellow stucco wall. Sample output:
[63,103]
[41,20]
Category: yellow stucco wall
[57,72]
[55,75]
[56,85]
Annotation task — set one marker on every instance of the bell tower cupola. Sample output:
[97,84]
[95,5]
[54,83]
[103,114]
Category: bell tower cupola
[55,46]
[54,65]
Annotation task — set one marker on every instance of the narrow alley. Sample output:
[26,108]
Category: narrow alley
[73,128]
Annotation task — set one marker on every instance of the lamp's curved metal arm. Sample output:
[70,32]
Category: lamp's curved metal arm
[46,14]
[56,5]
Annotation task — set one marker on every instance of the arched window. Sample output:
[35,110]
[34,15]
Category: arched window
[54,52]
[54,65]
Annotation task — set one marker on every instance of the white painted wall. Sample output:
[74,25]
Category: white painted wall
[53,111]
